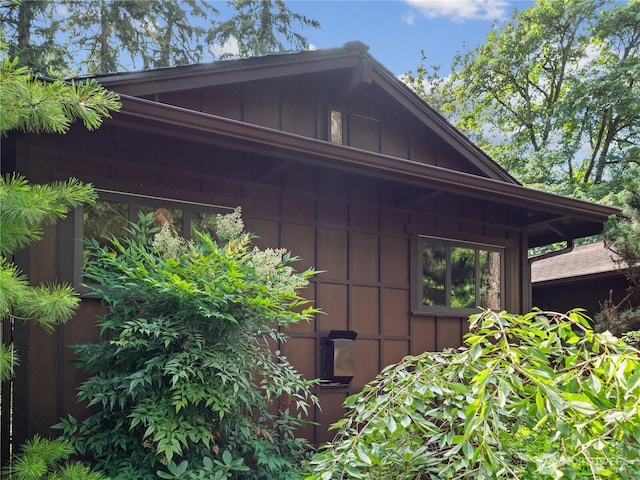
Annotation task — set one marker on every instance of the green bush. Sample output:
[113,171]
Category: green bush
[187,381]
[536,396]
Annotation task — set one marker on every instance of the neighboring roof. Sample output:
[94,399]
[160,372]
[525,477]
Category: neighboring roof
[583,261]
[353,56]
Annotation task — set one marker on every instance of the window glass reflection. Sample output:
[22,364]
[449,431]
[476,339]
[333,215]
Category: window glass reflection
[204,223]
[105,219]
[336,126]
[163,215]
[460,275]
[434,270]
[463,281]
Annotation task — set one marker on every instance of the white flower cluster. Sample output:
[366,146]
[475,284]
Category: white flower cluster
[230,226]
[275,275]
[166,242]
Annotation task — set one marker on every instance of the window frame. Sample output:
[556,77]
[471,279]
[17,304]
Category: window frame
[417,264]
[71,231]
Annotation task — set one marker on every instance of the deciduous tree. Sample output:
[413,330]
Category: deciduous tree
[552,94]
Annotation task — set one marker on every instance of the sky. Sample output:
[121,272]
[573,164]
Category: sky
[396,31]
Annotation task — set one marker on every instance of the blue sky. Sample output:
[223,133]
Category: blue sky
[398,30]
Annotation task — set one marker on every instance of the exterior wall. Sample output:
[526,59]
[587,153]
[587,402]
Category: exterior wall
[371,121]
[588,293]
[356,229]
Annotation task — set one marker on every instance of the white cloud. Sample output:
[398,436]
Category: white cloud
[461,10]
[409,18]
[228,49]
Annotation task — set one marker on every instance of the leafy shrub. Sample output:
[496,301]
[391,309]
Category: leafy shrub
[187,380]
[537,396]
[42,459]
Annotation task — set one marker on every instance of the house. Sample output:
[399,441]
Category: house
[585,277]
[330,156]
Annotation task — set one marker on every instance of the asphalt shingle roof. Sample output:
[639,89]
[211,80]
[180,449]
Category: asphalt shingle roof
[583,260]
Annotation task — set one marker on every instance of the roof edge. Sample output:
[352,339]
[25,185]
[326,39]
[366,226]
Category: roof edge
[148,82]
[243,132]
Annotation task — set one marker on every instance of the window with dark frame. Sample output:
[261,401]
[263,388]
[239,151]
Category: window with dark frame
[113,211]
[459,275]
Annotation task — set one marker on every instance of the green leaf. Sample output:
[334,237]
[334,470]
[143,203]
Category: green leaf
[362,455]
[475,352]
[391,424]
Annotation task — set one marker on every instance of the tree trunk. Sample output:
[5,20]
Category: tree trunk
[25,17]
[491,281]
[105,33]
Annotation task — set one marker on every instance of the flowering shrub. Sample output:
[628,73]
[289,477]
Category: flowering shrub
[187,375]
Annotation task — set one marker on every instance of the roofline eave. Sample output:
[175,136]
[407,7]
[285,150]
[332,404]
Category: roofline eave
[222,72]
[225,131]
[441,126]
[352,54]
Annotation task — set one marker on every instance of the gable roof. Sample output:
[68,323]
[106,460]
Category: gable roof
[546,218]
[363,70]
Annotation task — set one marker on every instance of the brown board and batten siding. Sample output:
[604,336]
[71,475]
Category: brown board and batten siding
[352,228]
[278,108]
[256,133]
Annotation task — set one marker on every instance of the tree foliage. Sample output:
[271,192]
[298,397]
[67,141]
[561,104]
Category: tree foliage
[104,36]
[32,105]
[187,381]
[622,237]
[25,209]
[262,26]
[552,94]
[41,459]
[536,396]
[110,35]
[32,31]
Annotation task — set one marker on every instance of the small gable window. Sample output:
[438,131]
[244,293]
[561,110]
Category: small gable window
[336,127]
[459,275]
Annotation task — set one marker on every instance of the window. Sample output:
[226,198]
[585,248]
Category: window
[113,211]
[459,275]
[336,133]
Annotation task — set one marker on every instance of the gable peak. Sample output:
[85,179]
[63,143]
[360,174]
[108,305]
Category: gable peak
[356,46]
